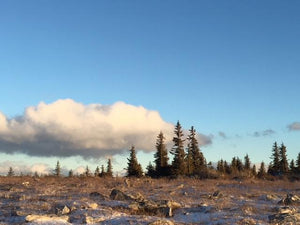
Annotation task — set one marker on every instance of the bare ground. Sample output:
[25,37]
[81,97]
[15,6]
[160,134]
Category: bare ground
[50,200]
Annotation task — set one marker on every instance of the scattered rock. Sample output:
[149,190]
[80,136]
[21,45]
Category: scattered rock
[97,195]
[290,199]
[285,218]
[119,195]
[44,218]
[269,197]
[216,195]
[162,222]
[62,210]
[93,205]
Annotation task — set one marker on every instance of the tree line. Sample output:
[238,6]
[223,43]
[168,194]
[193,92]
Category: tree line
[188,160]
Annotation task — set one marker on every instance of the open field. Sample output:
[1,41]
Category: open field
[51,200]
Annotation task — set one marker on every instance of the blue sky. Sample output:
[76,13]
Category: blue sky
[222,66]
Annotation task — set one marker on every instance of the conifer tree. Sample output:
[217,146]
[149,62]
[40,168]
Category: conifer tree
[71,173]
[298,164]
[102,173]
[247,164]
[134,169]
[57,170]
[189,162]
[253,171]
[87,172]
[10,172]
[109,168]
[97,172]
[292,166]
[284,166]
[178,163]
[161,155]
[227,167]
[262,171]
[197,160]
[151,172]
[220,166]
[274,168]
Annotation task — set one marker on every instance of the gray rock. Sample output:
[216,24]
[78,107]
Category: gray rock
[97,196]
[162,222]
[119,195]
[290,199]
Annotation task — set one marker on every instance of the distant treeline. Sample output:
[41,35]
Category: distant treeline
[189,161]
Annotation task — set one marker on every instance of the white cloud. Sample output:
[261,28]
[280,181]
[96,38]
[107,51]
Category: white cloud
[21,167]
[69,128]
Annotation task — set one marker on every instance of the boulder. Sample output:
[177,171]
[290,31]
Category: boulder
[62,210]
[119,195]
[45,218]
[290,199]
[97,196]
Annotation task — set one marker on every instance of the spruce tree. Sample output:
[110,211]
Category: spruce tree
[97,172]
[262,171]
[220,166]
[292,166]
[284,166]
[247,164]
[178,163]
[274,168]
[134,169]
[102,173]
[10,172]
[151,172]
[71,173]
[197,160]
[109,168]
[189,162]
[161,155]
[298,164]
[253,171]
[57,170]
[87,172]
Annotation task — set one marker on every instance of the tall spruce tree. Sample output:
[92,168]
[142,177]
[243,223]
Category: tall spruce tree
[284,166]
[178,163]
[292,166]
[57,170]
[262,171]
[97,172]
[274,168]
[109,168]
[10,172]
[161,155]
[247,165]
[298,164]
[134,169]
[197,160]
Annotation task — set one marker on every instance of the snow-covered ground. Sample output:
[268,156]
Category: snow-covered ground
[52,200]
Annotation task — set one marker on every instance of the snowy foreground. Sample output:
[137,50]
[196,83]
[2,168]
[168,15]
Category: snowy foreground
[145,201]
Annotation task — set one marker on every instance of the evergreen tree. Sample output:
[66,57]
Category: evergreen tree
[262,171]
[71,173]
[151,172]
[196,160]
[284,166]
[274,168]
[292,166]
[227,167]
[161,156]
[134,169]
[247,164]
[178,163]
[109,168]
[87,172]
[10,172]
[97,172]
[239,164]
[298,164]
[253,171]
[189,162]
[57,170]
[102,174]
[233,165]
[220,166]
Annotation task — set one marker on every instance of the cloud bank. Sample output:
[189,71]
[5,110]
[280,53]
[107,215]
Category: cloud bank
[68,128]
[294,126]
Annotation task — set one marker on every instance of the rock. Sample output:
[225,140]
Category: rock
[62,210]
[97,195]
[217,194]
[285,218]
[162,222]
[119,195]
[290,199]
[44,218]
[93,205]
[269,197]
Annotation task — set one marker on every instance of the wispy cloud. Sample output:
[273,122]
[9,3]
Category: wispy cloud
[68,128]
[294,126]
[222,134]
[263,133]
